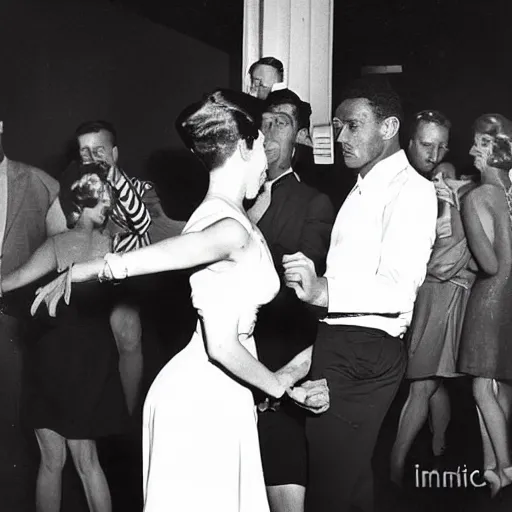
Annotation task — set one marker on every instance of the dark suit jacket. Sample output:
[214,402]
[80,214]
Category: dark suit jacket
[299,218]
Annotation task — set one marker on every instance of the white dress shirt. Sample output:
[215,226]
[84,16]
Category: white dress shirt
[380,245]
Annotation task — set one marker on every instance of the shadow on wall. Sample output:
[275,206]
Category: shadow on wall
[181,181]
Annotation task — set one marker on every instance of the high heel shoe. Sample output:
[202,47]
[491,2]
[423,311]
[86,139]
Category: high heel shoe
[493,481]
[438,447]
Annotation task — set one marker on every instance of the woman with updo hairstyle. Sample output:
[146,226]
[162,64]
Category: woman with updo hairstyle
[486,341]
[200,441]
[75,393]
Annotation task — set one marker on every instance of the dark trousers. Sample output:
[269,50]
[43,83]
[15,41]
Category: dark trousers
[17,443]
[363,368]
[11,363]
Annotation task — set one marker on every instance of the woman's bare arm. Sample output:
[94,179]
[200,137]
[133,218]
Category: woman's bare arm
[297,368]
[477,215]
[220,327]
[42,262]
[215,243]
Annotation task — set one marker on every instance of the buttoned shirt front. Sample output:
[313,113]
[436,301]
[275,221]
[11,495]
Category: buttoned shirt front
[380,246]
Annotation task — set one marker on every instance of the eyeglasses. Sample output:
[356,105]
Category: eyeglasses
[337,126]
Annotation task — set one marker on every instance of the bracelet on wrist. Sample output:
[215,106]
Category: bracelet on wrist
[113,268]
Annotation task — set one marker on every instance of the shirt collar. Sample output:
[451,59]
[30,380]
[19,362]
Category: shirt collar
[269,183]
[383,172]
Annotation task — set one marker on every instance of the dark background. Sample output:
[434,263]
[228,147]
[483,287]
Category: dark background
[138,63]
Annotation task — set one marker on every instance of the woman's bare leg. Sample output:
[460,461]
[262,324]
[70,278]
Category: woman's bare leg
[49,477]
[85,457]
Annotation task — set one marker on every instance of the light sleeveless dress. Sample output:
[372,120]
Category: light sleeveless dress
[200,440]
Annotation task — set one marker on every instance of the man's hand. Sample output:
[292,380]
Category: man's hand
[312,395]
[113,175]
[52,293]
[300,275]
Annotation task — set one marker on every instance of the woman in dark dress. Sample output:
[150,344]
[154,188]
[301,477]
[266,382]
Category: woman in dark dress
[76,393]
[486,348]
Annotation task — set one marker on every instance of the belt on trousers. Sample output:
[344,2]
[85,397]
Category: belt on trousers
[352,315]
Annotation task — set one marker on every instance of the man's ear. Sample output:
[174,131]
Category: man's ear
[303,137]
[245,152]
[115,154]
[409,146]
[390,127]
[1,127]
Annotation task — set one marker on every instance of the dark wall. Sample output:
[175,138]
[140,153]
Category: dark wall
[65,61]
[453,53]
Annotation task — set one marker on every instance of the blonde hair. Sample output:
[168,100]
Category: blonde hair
[86,192]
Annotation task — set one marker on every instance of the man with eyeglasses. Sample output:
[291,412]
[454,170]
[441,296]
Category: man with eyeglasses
[292,216]
[137,219]
[266,75]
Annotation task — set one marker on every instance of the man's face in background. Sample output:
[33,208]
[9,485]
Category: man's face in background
[262,79]
[97,147]
[428,147]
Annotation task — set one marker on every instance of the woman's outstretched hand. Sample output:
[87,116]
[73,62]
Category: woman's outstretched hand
[312,395]
[52,293]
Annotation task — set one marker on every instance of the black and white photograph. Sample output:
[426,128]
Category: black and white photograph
[255,256]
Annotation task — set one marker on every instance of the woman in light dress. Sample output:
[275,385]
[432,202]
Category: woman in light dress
[200,441]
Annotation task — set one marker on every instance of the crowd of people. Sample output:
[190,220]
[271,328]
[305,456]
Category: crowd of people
[308,319]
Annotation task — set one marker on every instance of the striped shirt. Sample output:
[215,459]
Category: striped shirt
[130,213]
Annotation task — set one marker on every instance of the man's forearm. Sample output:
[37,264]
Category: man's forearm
[320,296]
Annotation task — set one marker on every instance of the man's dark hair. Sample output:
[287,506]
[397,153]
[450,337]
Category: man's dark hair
[301,111]
[429,116]
[96,127]
[383,99]
[269,61]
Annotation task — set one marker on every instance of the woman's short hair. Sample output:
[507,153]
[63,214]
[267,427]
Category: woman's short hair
[213,127]
[85,192]
[500,129]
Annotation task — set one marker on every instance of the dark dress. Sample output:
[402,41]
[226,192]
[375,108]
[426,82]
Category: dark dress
[75,387]
[486,342]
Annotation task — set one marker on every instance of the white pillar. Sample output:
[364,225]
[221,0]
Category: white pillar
[252,38]
[300,34]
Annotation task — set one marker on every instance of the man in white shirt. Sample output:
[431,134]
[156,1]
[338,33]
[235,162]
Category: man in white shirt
[380,246]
